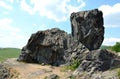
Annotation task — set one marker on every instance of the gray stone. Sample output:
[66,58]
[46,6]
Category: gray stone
[4,72]
[56,47]
[97,60]
[78,51]
[87,27]
[52,76]
[46,47]
[53,47]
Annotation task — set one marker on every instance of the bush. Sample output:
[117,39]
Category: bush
[116,47]
[74,65]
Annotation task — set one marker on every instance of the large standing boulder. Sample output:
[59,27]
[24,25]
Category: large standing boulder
[87,27]
[46,47]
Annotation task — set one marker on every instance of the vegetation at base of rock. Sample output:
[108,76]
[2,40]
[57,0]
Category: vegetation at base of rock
[6,53]
[116,47]
[72,77]
[74,65]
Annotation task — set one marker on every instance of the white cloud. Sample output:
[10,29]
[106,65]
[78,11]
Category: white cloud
[6,6]
[11,1]
[40,27]
[56,10]
[5,24]
[10,36]
[35,25]
[110,41]
[26,7]
[111,15]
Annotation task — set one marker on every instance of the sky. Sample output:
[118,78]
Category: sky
[20,18]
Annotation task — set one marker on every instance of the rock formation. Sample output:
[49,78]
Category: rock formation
[87,27]
[56,47]
[46,47]
[53,47]
[99,60]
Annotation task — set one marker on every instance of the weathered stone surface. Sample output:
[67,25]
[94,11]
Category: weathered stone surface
[109,74]
[56,47]
[97,60]
[45,47]
[53,47]
[4,72]
[75,51]
[52,76]
[87,27]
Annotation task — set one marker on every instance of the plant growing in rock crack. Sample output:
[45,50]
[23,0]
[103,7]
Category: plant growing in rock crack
[74,65]
[72,77]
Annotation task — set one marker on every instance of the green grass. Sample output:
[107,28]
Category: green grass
[6,53]
[74,65]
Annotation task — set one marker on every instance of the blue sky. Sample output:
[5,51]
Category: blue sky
[20,18]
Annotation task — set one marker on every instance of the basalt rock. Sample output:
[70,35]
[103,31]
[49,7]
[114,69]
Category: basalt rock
[87,27]
[56,47]
[46,47]
[98,60]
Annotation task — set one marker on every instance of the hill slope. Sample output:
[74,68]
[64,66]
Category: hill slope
[6,53]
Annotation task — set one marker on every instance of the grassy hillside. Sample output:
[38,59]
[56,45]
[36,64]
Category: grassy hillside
[6,53]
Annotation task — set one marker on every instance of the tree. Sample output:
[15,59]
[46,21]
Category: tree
[116,47]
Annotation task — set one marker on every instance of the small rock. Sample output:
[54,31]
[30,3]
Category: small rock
[43,64]
[52,76]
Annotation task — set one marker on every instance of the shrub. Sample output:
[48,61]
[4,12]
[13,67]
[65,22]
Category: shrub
[116,47]
[74,65]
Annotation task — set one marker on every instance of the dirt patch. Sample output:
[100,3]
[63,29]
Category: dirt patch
[21,70]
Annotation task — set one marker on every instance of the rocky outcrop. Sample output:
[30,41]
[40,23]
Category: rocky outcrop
[53,47]
[56,47]
[97,60]
[87,27]
[45,47]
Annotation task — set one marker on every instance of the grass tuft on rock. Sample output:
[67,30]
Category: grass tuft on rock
[74,65]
